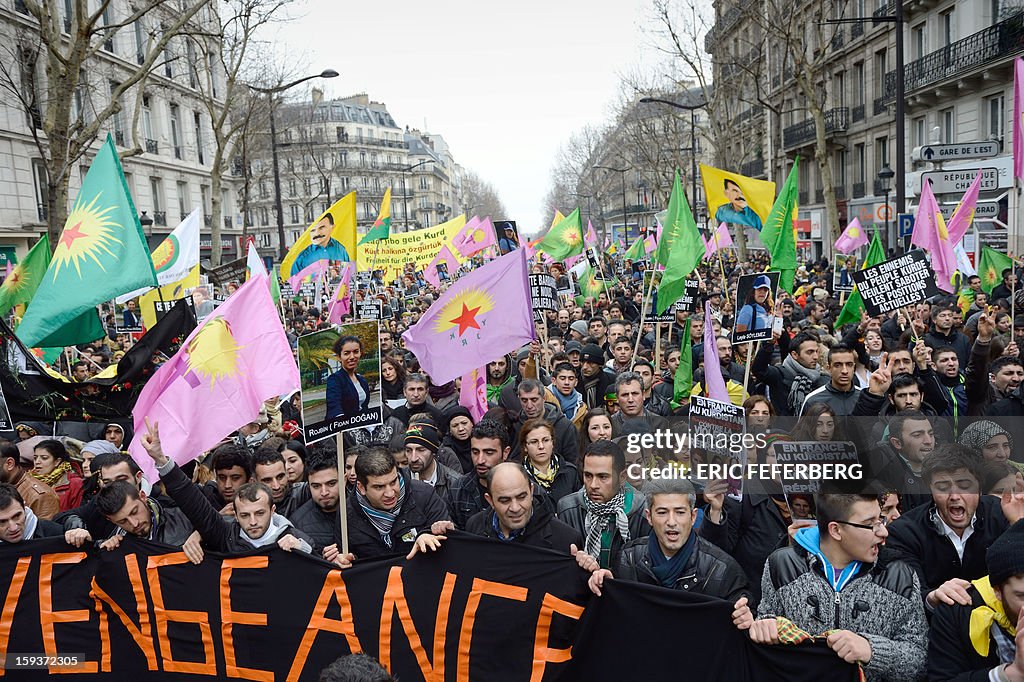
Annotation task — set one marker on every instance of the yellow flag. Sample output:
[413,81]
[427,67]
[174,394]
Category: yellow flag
[169,292]
[332,236]
[736,199]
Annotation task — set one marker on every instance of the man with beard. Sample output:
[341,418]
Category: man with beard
[946,391]
[945,541]
[422,442]
[797,376]
[499,375]
[269,469]
[415,391]
[595,382]
[899,463]
[318,517]
[489,447]
[629,391]
[834,574]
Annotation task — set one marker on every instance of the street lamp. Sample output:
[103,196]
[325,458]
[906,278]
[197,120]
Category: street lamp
[405,194]
[885,176]
[692,108]
[625,222]
[270,92]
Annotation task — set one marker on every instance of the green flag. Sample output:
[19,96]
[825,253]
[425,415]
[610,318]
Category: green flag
[779,233]
[636,252]
[100,255]
[20,286]
[680,248]
[682,383]
[990,268]
[855,304]
[275,286]
[564,239]
[382,226]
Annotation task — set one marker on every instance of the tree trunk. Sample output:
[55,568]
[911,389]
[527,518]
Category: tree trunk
[216,208]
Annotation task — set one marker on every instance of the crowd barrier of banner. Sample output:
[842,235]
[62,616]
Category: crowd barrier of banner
[476,610]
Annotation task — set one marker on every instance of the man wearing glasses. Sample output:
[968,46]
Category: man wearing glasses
[945,541]
[834,583]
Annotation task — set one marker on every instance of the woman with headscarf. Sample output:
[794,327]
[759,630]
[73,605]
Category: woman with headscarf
[991,441]
[460,425]
[90,478]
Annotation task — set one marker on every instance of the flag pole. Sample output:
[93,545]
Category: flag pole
[342,493]
[643,309]
[721,267]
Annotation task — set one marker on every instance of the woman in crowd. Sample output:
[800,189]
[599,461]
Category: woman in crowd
[460,424]
[53,466]
[760,413]
[551,472]
[998,477]
[819,424]
[392,378]
[294,453]
[597,425]
[348,393]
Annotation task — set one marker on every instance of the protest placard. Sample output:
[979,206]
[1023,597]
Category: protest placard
[756,315]
[842,277]
[370,309]
[332,362]
[829,459]
[716,436]
[896,283]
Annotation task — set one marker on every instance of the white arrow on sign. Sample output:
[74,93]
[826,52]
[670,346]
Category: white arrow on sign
[937,153]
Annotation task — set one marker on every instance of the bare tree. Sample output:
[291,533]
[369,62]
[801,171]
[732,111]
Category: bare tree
[56,68]
[480,197]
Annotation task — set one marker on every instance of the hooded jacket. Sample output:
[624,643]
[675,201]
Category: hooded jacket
[879,602]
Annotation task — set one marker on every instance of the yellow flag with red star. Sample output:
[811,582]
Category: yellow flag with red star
[101,254]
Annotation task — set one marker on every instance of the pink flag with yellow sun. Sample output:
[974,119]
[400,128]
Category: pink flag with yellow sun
[219,379]
[484,315]
[341,302]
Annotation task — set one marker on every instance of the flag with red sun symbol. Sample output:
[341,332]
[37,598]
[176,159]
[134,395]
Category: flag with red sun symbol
[481,317]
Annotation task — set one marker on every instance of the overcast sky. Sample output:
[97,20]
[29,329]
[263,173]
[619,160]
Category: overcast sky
[505,84]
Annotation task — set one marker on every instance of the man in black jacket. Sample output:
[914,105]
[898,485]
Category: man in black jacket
[488,447]
[254,524]
[318,518]
[516,515]
[934,538]
[799,365]
[232,468]
[531,398]
[674,556]
[269,469]
[390,512]
[131,511]
[980,640]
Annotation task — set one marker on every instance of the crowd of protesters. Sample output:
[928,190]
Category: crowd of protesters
[916,571]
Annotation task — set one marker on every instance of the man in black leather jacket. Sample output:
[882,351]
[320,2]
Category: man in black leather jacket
[674,556]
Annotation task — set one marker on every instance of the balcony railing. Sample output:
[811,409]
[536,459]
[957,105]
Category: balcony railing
[160,218]
[228,223]
[878,14]
[43,212]
[858,113]
[802,197]
[152,147]
[819,196]
[752,169]
[858,190]
[185,214]
[838,39]
[840,191]
[721,27]
[958,59]
[856,30]
[880,106]
[836,121]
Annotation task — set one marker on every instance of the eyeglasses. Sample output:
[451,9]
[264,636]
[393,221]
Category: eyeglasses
[874,528]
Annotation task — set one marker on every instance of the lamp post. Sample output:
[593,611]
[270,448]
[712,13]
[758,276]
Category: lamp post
[270,92]
[622,173]
[405,194]
[885,176]
[692,108]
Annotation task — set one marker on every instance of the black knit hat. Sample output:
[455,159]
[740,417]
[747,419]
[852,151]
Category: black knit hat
[423,434]
[1006,555]
[592,353]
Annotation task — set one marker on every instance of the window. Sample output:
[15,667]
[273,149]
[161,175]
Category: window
[947,24]
[947,122]
[839,89]
[183,199]
[423,183]
[147,120]
[193,64]
[859,163]
[263,189]
[879,66]
[117,119]
[156,193]
[176,130]
[881,152]
[42,188]
[197,120]
[858,83]
[918,41]
[140,41]
[295,213]
[168,61]
[839,169]
[108,19]
[362,159]
[995,117]
[306,187]
[291,187]
[917,134]
[204,197]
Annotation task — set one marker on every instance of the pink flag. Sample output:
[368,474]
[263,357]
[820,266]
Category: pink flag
[473,393]
[445,256]
[590,238]
[852,238]
[931,235]
[1018,119]
[314,269]
[484,315]
[963,216]
[475,236]
[341,302]
[219,379]
[713,381]
[720,239]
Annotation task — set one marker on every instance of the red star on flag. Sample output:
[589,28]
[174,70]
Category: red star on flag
[467,319]
[71,234]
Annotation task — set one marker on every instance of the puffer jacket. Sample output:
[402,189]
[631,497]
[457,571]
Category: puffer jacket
[882,603]
[708,571]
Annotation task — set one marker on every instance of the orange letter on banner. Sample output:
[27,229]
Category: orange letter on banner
[334,586]
[164,616]
[394,599]
[140,634]
[48,617]
[541,653]
[11,603]
[480,588]
[228,618]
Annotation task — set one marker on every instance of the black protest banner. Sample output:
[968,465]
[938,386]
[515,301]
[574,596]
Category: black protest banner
[717,439]
[896,283]
[371,309]
[688,301]
[543,292]
[475,610]
[669,631]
